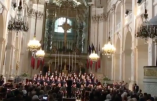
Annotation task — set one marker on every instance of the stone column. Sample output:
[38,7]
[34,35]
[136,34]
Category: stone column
[150,53]
[20,55]
[2,43]
[16,60]
[112,38]
[133,54]
[123,65]
[133,62]
[9,54]
[121,36]
[155,55]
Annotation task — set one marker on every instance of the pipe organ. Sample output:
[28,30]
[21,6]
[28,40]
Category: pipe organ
[60,44]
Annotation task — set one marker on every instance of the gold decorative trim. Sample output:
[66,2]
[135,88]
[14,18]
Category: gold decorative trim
[150,72]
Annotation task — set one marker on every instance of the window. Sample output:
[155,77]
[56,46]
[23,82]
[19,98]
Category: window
[59,22]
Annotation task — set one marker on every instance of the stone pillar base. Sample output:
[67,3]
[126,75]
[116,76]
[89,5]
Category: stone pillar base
[150,86]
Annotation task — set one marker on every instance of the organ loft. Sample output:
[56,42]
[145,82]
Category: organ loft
[65,34]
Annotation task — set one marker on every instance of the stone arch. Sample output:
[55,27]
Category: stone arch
[127,56]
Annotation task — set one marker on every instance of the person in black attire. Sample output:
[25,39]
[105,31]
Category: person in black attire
[136,88]
[1,80]
[69,84]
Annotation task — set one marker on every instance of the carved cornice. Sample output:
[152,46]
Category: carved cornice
[100,17]
[32,12]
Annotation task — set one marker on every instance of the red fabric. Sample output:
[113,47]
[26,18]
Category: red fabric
[87,63]
[43,62]
[91,63]
[32,62]
[99,63]
[38,63]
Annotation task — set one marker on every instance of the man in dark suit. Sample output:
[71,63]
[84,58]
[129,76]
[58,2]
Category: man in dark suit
[69,84]
[136,88]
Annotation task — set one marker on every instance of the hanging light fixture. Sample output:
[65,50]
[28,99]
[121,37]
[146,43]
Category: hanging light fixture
[19,23]
[94,56]
[147,30]
[40,54]
[34,45]
[108,48]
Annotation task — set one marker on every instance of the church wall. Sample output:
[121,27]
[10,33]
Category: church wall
[133,55]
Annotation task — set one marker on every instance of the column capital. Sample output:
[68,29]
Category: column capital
[113,8]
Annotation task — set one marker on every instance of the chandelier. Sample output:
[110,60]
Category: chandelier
[147,30]
[40,54]
[108,49]
[19,23]
[93,56]
[34,45]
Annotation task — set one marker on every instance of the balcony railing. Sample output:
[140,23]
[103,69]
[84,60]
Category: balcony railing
[128,18]
[150,72]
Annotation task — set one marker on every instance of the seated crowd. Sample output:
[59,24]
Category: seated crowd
[53,87]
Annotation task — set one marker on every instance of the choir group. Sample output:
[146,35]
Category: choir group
[79,82]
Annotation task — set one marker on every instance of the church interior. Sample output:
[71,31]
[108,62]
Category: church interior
[78,50]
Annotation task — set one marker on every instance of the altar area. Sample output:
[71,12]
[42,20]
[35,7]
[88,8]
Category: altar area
[65,36]
[66,63]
